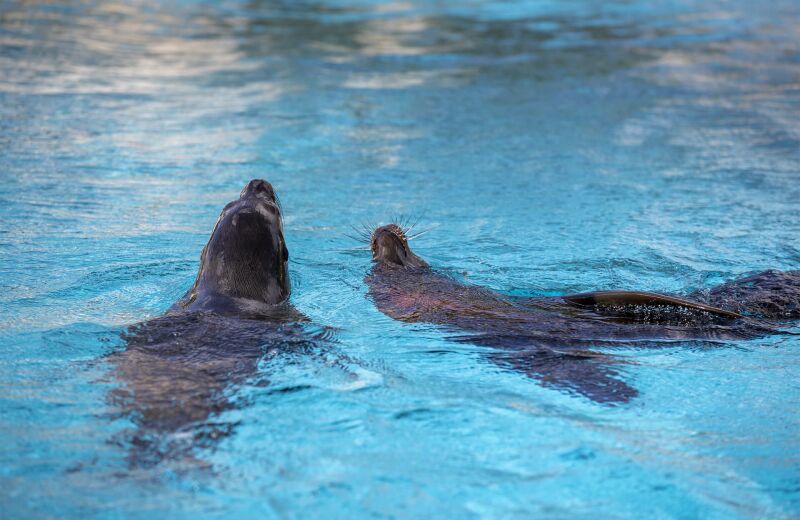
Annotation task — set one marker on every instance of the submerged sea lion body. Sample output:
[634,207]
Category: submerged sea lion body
[179,373]
[549,337]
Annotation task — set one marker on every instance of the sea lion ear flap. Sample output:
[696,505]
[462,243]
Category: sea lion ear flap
[285,253]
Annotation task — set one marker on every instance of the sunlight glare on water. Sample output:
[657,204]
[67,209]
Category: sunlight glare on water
[548,147]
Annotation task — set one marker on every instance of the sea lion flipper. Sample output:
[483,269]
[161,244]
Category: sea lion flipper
[595,378]
[618,300]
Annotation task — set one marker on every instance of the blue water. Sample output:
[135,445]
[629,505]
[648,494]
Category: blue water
[548,147]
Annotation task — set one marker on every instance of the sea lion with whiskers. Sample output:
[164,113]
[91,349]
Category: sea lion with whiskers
[549,337]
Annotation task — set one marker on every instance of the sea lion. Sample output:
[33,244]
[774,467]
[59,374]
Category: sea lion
[177,371]
[549,337]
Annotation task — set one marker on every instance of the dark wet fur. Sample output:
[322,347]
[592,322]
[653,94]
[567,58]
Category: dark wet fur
[771,294]
[550,338]
[244,266]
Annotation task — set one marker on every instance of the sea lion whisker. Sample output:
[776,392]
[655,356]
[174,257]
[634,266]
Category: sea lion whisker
[357,238]
[408,229]
[409,225]
[404,222]
[364,232]
[397,220]
[352,249]
[420,233]
[357,230]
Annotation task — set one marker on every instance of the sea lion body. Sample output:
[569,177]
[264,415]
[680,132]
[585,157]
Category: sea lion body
[176,372]
[539,336]
[424,295]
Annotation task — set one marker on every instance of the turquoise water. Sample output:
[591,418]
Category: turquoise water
[548,147]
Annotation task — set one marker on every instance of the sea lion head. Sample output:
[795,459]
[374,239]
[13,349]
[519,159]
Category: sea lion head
[246,257]
[389,246]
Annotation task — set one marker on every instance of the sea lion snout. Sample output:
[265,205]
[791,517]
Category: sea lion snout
[390,246]
[258,196]
[259,188]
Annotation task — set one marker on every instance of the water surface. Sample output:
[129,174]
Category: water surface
[549,147]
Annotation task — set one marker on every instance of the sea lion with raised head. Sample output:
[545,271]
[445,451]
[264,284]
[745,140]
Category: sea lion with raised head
[548,337]
[244,266]
[177,372]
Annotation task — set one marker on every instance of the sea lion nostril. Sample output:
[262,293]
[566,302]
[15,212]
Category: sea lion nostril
[258,186]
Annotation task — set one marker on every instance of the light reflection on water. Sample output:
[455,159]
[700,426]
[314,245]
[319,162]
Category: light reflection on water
[550,147]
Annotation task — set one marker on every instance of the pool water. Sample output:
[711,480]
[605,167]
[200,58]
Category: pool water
[547,147]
